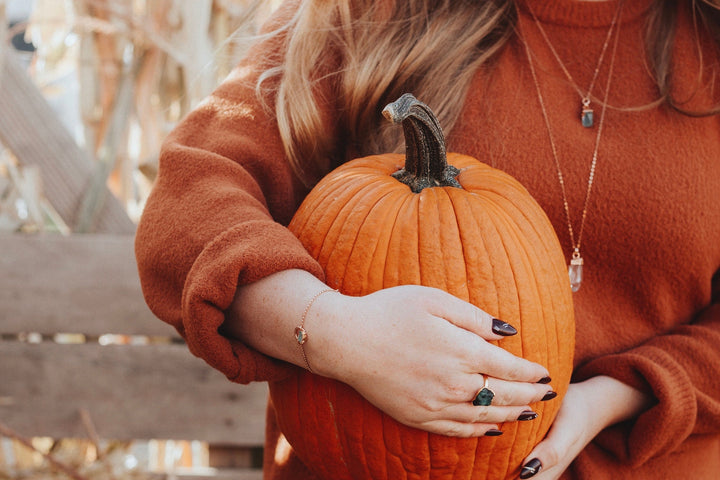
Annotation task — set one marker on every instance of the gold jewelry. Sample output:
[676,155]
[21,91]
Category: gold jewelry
[301,335]
[586,113]
[575,268]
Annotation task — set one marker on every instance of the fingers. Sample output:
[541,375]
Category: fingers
[545,457]
[517,393]
[489,359]
[434,382]
[510,402]
[469,413]
[568,435]
[504,392]
[463,430]
[498,362]
[466,420]
[468,316]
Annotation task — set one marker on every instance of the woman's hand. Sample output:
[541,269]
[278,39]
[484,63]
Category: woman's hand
[587,408]
[418,354]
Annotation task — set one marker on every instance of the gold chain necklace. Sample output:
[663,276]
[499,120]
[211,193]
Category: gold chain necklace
[587,114]
[575,268]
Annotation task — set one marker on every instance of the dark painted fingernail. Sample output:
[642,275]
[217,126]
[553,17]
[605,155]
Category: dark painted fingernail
[493,432]
[527,415]
[545,380]
[549,396]
[501,328]
[531,468]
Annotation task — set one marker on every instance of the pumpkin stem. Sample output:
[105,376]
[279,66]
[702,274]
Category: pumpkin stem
[425,158]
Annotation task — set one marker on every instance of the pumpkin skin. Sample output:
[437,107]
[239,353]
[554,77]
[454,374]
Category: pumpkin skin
[488,243]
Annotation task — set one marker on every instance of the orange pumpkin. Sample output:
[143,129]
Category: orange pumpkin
[468,229]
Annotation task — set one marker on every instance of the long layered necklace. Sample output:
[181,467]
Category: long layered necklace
[575,267]
[587,114]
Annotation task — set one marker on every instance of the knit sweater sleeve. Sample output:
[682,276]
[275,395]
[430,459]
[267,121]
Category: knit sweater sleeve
[679,369]
[216,218]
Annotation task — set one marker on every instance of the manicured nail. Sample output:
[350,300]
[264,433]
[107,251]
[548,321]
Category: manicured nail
[527,415]
[493,432]
[531,468]
[501,328]
[545,380]
[549,396]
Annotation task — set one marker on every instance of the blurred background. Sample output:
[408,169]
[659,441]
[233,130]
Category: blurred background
[91,384]
[118,74]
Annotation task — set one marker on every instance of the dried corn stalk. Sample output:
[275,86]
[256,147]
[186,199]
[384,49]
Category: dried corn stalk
[125,71]
[22,206]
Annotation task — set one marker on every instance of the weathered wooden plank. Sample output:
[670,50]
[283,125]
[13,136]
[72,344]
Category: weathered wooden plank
[130,392]
[79,284]
[221,475]
[32,131]
[229,457]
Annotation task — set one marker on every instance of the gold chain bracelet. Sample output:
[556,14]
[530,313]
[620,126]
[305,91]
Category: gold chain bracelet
[301,334]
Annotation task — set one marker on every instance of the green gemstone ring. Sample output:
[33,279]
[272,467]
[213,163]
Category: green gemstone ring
[485,396]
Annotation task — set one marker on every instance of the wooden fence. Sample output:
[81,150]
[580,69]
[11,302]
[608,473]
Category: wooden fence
[123,371]
[149,388]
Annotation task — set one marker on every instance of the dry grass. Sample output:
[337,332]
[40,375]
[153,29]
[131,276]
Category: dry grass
[49,459]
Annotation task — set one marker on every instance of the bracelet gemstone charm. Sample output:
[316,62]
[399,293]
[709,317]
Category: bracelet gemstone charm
[301,335]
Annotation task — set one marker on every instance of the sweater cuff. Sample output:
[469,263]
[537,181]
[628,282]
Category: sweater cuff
[664,426]
[236,257]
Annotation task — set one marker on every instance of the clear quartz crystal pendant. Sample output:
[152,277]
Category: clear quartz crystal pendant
[575,271]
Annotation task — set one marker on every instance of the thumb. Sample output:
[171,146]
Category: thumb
[566,438]
[544,457]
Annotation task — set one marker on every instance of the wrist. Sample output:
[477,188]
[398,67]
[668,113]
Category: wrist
[301,334]
[325,324]
[613,401]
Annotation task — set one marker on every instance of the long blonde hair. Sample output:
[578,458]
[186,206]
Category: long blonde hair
[389,47]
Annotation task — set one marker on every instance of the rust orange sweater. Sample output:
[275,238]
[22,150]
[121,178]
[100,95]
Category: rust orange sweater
[648,312]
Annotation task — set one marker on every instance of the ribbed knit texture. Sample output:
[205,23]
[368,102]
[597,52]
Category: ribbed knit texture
[648,311]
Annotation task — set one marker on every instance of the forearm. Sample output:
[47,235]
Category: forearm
[264,314]
[613,401]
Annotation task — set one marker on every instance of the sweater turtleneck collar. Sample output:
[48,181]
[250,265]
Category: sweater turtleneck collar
[584,13]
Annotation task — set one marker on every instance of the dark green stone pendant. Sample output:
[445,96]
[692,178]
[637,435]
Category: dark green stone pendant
[587,116]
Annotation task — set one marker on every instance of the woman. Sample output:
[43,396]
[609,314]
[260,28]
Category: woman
[606,111]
